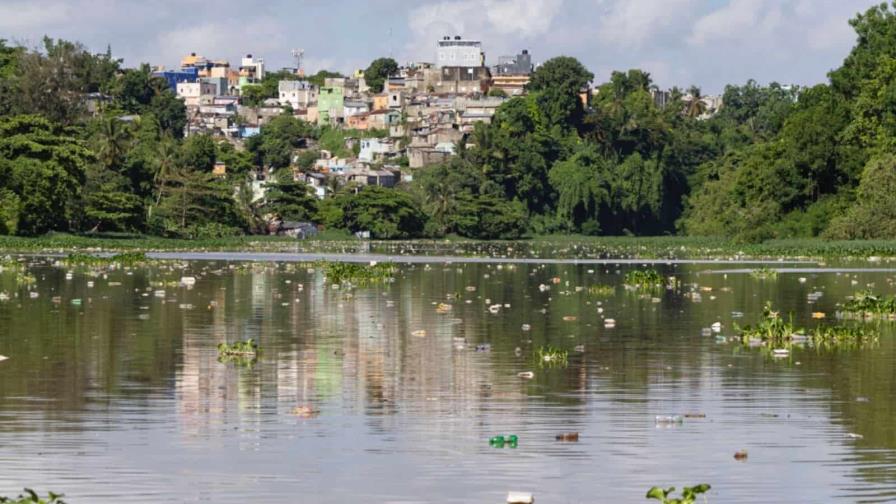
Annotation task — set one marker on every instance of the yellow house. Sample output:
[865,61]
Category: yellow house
[381,101]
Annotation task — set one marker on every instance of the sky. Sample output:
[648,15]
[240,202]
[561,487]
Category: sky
[708,43]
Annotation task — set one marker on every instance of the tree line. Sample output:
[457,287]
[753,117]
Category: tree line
[89,146]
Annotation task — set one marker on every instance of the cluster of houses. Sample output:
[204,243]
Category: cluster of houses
[422,112]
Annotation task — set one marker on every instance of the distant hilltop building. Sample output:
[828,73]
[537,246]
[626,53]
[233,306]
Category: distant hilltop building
[511,74]
[457,52]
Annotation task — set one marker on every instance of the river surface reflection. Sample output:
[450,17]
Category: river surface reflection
[113,391]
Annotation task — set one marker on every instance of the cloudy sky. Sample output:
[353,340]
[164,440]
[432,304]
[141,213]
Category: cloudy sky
[680,42]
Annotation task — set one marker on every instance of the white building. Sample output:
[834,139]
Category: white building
[458,52]
[354,107]
[252,68]
[372,148]
[196,93]
[297,94]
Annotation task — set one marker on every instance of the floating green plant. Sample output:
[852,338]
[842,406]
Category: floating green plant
[239,348]
[867,305]
[31,497]
[764,273]
[357,274]
[688,494]
[774,332]
[123,259]
[551,356]
[601,290]
[648,279]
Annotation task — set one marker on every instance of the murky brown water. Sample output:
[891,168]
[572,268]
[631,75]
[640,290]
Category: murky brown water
[122,398]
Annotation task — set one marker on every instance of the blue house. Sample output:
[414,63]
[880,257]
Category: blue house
[175,77]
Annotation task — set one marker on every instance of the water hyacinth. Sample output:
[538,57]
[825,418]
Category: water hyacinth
[356,274]
[866,305]
[774,332]
[551,356]
[764,273]
[648,279]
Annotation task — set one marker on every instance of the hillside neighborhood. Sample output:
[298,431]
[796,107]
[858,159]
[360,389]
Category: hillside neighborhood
[416,116]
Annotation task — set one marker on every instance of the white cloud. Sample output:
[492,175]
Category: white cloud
[732,21]
[632,23]
[501,24]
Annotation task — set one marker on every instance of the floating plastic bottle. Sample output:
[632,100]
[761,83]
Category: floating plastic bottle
[502,441]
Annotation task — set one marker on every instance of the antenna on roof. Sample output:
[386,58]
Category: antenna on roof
[299,55]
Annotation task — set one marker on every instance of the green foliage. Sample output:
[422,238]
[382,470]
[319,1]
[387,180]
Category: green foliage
[873,215]
[774,333]
[866,304]
[121,259]
[385,213]
[557,84]
[41,172]
[275,144]
[195,204]
[497,93]
[198,153]
[551,356]
[31,497]
[644,279]
[247,347]
[290,199]
[688,494]
[253,95]
[379,70]
[356,274]
[320,77]
[764,273]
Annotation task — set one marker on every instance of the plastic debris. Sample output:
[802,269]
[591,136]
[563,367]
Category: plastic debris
[502,441]
[853,435]
[669,419]
[3,358]
[567,437]
[526,375]
[305,411]
[420,333]
[740,455]
[520,498]
[188,281]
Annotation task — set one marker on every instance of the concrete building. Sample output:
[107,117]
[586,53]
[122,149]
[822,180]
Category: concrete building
[462,80]
[251,70]
[330,105]
[175,77]
[373,149]
[221,85]
[457,52]
[521,64]
[354,107]
[297,94]
[196,93]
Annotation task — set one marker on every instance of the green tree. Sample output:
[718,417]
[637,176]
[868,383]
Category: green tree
[290,199]
[386,213]
[379,70]
[198,153]
[558,83]
[44,167]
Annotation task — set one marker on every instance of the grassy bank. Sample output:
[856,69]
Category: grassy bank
[569,246]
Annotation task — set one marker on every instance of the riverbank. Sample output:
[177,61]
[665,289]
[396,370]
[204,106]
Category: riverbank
[559,247]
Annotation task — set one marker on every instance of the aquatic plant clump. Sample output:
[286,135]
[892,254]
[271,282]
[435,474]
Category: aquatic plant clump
[773,331]
[357,274]
[688,494]
[601,290]
[866,305]
[764,273]
[122,259]
[648,279]
[246,348]
[551,356]
[31,497]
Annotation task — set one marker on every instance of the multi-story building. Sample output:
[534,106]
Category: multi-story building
[297,94]
[512,73]
[330,105]
[457,52]
[195,94]
[251,70]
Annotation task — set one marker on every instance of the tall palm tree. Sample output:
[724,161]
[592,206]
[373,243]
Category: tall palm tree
[112,141]
[695,107]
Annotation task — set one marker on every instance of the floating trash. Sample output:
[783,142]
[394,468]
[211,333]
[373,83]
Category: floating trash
[520,498]
[567,437]
[609,323]
[526,375]
[3,358]
[669,419]
[526,327]
[853,435]
[740,455]
[502,441]
[420,333]
[780,352]
[484,347]
[305,411]
[187,281]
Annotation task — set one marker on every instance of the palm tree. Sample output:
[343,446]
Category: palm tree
[112,142]
[695,107]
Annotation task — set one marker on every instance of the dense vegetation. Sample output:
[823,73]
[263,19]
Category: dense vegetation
[775,162]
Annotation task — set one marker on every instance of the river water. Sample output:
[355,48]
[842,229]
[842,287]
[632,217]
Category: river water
[113,392]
